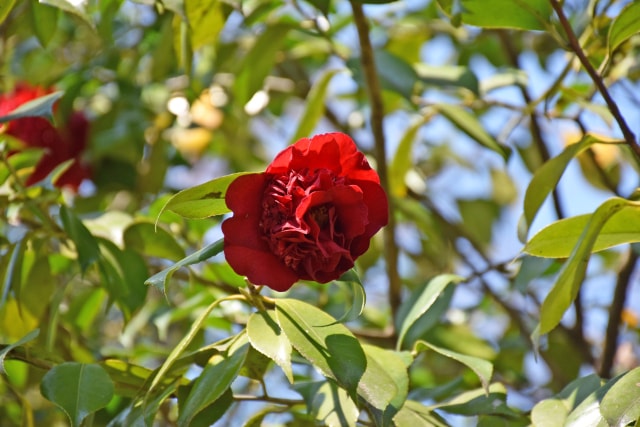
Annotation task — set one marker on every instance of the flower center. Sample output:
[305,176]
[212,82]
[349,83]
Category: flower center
[306,239]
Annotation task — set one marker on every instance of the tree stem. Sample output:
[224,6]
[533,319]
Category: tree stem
[377,117]
[615,315]
[597,79]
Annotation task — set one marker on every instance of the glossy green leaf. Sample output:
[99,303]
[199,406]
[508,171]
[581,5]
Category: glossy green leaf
[5,8]
[205,19]
[333,349]
[267,337]
[128,378]
[479,402]
[570,278]
[330,346]
[39,107]
[86,245]
[352,279]
[45,22]
[314,107]
[13,274]
[545,180]
[415,414]
[123,275]
[160,280]
[558,239]
[403,159]
[183,344]
[150,240]
[447,76]
[395,73]
[214,380]
[395,367]
[625,25]
[621,403]
[204,200]
[587,413]
[518,14]
[79,389]
[482,368]
[553,412]
[470,125]
[258,62]
[75,8]
[332,406]
[436,286]
[25,339]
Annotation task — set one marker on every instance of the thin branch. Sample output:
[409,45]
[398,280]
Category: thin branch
[377,116]
[629,137]
[615,315]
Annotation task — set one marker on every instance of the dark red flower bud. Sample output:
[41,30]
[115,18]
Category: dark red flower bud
[308,216]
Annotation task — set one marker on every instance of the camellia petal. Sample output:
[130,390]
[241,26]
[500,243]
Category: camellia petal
[307,217]
[60,144]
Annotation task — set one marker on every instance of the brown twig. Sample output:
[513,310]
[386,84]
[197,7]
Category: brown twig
[615,315]
[629,137]
[377,115]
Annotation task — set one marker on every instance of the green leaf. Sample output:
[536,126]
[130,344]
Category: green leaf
[395,73]
[415,414]
[333,349]
[159,280]
[403,159]
[472,127]
[39,107]
[204,200]
[13,273]
[267,337]
[518,14]
[150,240]
[128,378]
[482,368]
[25,339]
[45,22]
[205,20]
[258,62]
[553,412]
[79,389]
[5,8]
[332,406]
[545,180]
[183,344]
[587,413]
[448,76]
[75,8]
[558,239]
[566,287]
[479,402]
[86,245]
[352,279]
[625,24]
[390,366]
[436,286]
[330,346]
[621,404]
[123,275]
[314,106]
[214,380]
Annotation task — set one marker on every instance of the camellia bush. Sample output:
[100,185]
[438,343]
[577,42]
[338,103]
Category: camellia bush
[315,212]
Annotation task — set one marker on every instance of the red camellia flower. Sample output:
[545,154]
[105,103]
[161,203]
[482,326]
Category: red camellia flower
[308,216]
[59,144]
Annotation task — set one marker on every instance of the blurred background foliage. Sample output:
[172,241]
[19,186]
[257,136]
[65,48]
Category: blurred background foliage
[476,97]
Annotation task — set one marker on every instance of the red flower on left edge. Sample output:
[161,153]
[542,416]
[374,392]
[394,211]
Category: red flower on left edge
[59,144]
